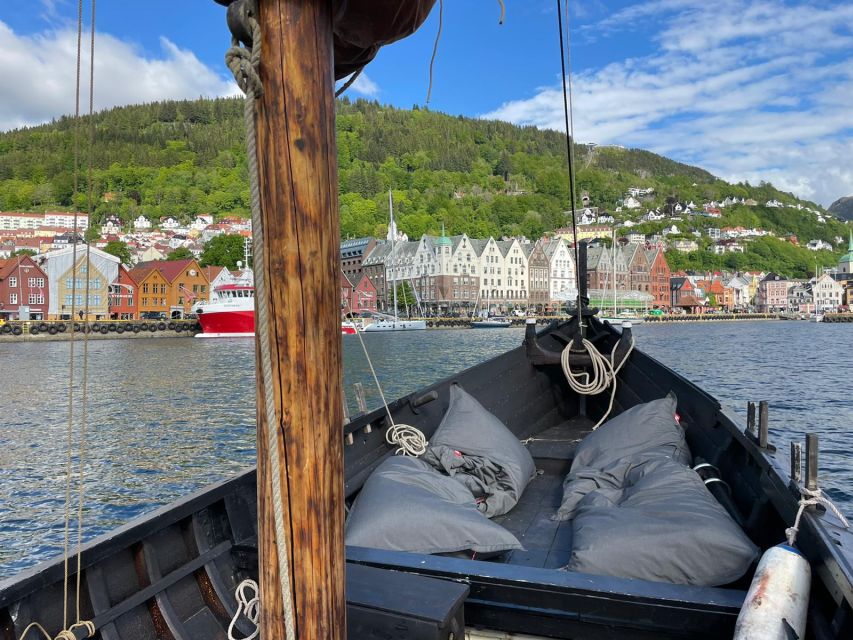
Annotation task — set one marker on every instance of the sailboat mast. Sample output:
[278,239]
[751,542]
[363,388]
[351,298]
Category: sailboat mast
[392,230]
[295,125]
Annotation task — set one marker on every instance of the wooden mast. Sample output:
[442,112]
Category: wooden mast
[299,197]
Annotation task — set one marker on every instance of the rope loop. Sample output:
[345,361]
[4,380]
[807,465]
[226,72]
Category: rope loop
[250,607]
[410,441]
[602,376]
[812,498]
[244,63]
[65,634]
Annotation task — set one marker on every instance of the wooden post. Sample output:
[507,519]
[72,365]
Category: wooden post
[299,187]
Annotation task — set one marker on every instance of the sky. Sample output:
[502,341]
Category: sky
[750,91]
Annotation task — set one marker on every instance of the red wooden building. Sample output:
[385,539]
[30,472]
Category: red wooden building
[364,296]
[124,297]
[23,284]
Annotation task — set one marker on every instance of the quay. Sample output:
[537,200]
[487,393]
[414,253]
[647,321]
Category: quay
[31,330]
[457,323]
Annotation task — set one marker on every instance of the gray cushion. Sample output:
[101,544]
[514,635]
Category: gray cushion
[406,505]
[477,449]
[652,518]
[648,427]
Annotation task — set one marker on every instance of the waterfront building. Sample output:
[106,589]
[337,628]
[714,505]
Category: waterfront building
[170,286]
[739,286]
[659,274]
[70,272]
[827,293]
[374,268]
[123,300]
[538,276]
[24,291]
[683,295]
[515,267]
[364,296]
[353,251]
[561,272]
[637,261]
[492,276]
[772,294]
[800,299]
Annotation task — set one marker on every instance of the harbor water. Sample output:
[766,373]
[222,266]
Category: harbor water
[166,417]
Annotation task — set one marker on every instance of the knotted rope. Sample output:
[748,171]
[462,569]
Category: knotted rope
[244,64]
[250,607]
[603,373]
[812,498]
[66,634]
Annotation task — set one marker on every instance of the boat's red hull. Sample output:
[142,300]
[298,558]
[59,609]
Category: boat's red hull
[227,323]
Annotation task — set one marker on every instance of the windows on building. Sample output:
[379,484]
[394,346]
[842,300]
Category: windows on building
[36,298]
[13,298]
[13,282]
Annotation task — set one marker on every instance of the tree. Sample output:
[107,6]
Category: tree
[223,251]
[181,253]
[22,252]
[118,249]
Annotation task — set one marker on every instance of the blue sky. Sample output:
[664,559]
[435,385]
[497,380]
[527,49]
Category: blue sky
[748,90]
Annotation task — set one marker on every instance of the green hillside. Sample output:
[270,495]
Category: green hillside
[475,176]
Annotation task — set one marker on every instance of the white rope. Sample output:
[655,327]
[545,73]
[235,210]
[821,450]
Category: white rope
[602,376]
[250,607]
[812,498]
[244,65]
[67,634]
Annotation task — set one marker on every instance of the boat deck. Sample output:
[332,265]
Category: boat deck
[547,543]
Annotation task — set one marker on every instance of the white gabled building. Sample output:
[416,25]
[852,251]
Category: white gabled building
[491,274]
[561,269]
[515,268]
[827,293]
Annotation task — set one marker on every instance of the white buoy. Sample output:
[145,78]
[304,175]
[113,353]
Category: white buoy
[778,597]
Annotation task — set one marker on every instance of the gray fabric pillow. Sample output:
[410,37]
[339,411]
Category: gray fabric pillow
[653,519]
[647,427]
[477,449]
[406,505]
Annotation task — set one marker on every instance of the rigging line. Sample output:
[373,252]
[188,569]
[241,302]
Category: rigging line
[435,48]
[84,410]
[570,159]
[70,430]
[346,85]
[410,441]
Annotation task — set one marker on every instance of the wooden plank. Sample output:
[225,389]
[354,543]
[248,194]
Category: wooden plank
[299,187]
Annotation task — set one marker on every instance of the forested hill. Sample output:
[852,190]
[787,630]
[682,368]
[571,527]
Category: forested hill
[476,176]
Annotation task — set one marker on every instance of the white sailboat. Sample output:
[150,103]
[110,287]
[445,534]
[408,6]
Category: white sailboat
[386,322]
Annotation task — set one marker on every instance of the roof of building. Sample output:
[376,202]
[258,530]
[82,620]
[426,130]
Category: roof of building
[354,247]
[378,254]
[170,269]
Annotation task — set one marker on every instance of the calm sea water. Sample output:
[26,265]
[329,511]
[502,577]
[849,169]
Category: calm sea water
[167,417]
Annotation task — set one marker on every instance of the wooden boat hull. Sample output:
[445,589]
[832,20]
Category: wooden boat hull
[174,571]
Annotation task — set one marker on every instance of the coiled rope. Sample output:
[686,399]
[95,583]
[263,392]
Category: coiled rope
[250,607]
[244,64]
[602,376]
[812,498]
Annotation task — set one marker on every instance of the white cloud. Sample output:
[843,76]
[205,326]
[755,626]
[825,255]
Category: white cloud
[748,90]
[38,75]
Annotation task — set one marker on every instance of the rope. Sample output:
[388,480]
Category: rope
[250,607]
[603,374]
[812,498]
[435,47]
[346,85]
[570,157]
[244,64]
[67,634]
[409,440]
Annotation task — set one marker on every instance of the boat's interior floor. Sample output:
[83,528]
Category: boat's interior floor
[547,543]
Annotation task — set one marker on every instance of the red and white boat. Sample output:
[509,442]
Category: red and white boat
[348,328]
[229,314]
